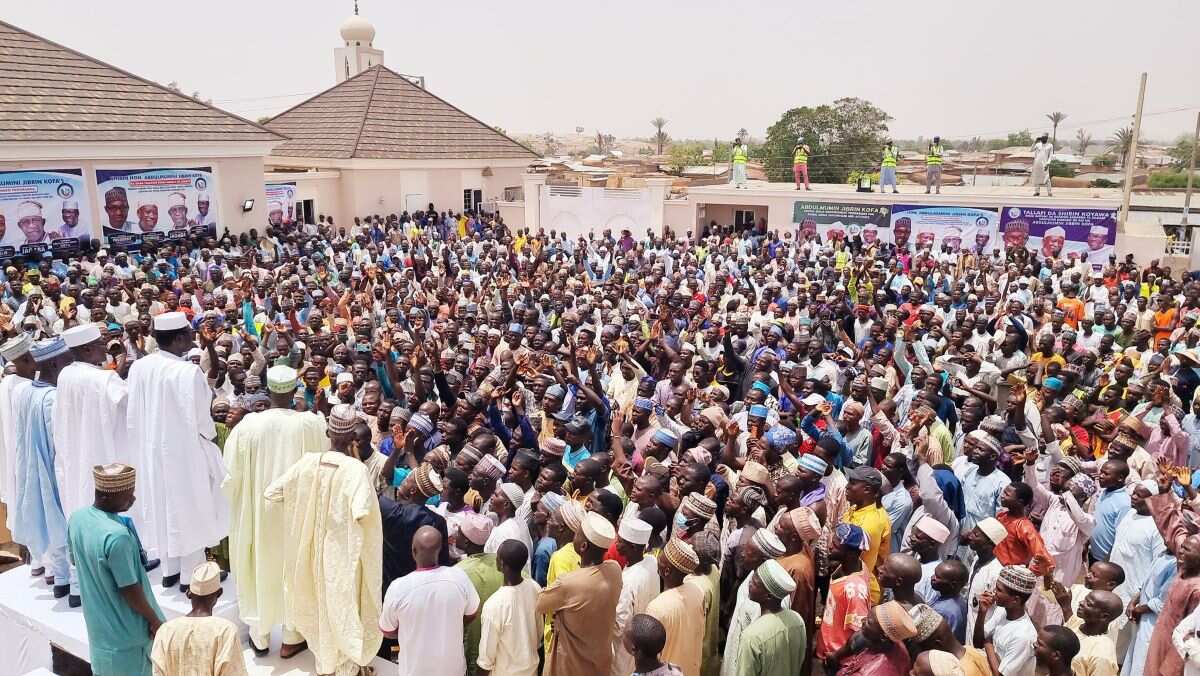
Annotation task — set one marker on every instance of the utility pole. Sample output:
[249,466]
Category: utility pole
[1184,230]
[1187,196]
[1131,160]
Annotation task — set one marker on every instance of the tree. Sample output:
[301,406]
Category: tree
[841,137]
[1120,143]
[1021,138]
[551,143]
[744,135]
[1181,152]
[1082,141]
[660,137]
[1055,118]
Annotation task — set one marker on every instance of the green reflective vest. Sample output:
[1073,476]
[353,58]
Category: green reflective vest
[739,154]
[889,157]
[801,157]
[935,155]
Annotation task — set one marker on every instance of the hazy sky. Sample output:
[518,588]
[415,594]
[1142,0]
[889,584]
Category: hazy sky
[937,66]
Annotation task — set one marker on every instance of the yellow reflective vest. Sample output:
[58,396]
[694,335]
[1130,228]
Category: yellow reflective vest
[739,154]
[935,154]
[889,157]
[801,157]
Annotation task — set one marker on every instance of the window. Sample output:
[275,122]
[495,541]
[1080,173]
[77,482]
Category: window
[472,199]
[743,218]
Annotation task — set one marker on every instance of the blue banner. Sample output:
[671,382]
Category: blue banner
[40,211]
[152,205]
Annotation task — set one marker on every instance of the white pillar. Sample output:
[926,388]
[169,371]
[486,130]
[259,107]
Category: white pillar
[533,201]
[656,194]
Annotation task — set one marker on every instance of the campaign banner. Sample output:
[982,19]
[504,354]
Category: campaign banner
[281,203]
[39,212]
[839,220]
[957,227]
[156,205]
[1058,233]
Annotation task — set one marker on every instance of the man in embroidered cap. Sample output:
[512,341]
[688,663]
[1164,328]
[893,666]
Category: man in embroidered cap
[639,585]
[884,632]
[181,509]
[32,223]
[504,503]
[849,595]
[1003,627]
[119,609]
[432,606]
[985,567]
[15,351]
[776,643]
[680,607]
[199,642]
[480,567]
[924,539]
[39,522]
[583,603]
[758,545]
[326,498]
[798,529]
[259,450]
[404,515]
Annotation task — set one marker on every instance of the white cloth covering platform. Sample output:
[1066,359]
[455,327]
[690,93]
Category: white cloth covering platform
[31,619]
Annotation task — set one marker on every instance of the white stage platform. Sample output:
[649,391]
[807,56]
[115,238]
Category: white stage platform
[31,619]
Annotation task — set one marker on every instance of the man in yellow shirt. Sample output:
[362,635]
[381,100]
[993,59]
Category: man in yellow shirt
[862,494]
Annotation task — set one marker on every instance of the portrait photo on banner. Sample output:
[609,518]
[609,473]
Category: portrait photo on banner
[834,221]
[44,210]
[958,228]
[1062,233]
[153,205]
[281,203]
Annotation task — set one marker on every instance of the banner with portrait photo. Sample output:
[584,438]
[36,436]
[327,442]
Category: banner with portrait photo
[40,211]
[281,203]
[959,227]
[153,205]
[839,220]
[1058,233]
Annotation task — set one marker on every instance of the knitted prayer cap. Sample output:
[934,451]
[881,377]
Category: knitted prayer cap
[16,346]
[1071,463]
[471,453]
[427,480]
[553,446]
[421,423]
[476,527]
[1084,483]
[985,439]
[814,463]
[776,580]
[440,454]
[755,473]
[572,515]
[514,494]
[780,438]
[490,467]
[45,350]
[895,621]
[926,620]
[598,530]
[114,478]
[206,579]
[700,505]
[342,419]
[806,523]
[852,536]
[942,663]
[751,497]
[934,529]
[552,501]
[768,543]
[993,529]
[681,556]
[1019,579]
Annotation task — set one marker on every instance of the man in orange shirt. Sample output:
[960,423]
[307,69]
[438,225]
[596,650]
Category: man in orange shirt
[1023,543]
[1164,319]
[1071,306]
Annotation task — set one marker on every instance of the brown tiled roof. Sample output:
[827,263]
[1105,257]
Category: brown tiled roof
[51,93]
[378,114]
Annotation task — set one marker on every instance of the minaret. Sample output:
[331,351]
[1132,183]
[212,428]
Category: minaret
[357,54]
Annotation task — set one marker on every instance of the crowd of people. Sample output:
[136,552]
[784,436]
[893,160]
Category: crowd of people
[471,449]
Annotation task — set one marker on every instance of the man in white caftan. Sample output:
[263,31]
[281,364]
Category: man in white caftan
[16,352]
[38,519]
[510,528]
[259,450]
[639,586]
[90,418]
[332,559]
[180,509]
[1138,542]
